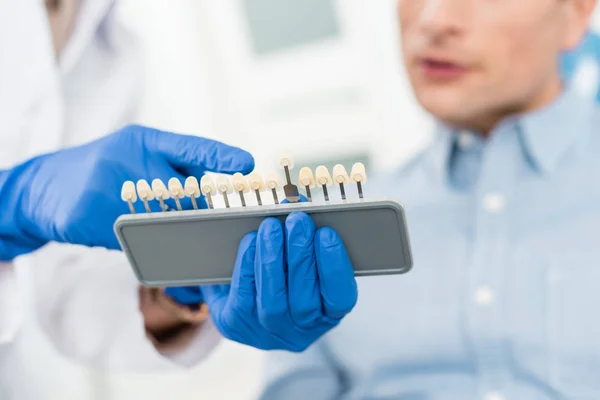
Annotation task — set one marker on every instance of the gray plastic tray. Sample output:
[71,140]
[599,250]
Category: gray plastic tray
[181,248]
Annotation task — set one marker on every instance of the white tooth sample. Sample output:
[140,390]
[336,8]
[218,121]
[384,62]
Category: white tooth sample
[323,179]
[128,194]
[160,192]
[322,176]
[176,191]
[307,179]
[358,175]
[286,160]
[208,188]
[192,190]
[145,193]
[240,184]
[340,176]
[224,187]
[273,182]
[257,184]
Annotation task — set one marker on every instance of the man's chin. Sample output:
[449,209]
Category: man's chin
[444,106]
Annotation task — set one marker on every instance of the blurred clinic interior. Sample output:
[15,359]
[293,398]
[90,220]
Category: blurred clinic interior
[323,78]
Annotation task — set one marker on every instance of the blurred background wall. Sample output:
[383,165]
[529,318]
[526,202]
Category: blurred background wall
[322,78]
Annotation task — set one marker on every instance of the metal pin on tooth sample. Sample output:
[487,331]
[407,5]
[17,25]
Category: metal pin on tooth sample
[324,179]
[224,187]
[306,179]
[273,182]
[358,175]
[208,188]
[176,191]
[340,176]
[128,195]
[192,190]
[161,193]
[240,184]
[257,184]
[145,193]
[291,191]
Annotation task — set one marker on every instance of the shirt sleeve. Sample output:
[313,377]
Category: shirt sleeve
[10,305]
[87,303]
[311,374]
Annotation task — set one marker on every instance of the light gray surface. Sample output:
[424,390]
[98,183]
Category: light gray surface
[276,25]
[199,247]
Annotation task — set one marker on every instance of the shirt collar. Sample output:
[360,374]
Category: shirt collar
[546,133]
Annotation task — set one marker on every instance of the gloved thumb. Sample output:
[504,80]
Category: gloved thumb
[215,296]
[193,155]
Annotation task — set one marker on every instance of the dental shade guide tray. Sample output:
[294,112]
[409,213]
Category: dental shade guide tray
[199,246]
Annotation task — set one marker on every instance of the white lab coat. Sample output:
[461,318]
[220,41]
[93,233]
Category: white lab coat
[86,299]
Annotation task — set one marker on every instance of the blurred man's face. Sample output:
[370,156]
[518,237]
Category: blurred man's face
[474,61]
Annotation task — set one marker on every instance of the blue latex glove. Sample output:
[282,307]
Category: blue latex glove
[73,195]
[291,284]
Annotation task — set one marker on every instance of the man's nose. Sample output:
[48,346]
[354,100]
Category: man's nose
[444,16]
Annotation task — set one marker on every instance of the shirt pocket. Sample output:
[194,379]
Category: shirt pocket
[573,321]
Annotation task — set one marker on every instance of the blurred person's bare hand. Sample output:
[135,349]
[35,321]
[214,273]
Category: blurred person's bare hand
[170,326]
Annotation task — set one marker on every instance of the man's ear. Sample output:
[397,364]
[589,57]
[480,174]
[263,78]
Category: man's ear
[579,13]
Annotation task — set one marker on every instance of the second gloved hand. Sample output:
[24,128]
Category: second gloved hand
[73,195]
[291,284]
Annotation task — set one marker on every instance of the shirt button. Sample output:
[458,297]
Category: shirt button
[465,140]
[493,396]
[494,203]
[484,296]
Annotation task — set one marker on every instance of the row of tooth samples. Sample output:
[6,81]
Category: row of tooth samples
[242,185]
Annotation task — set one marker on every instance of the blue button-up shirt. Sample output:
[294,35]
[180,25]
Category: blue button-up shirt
[503,301]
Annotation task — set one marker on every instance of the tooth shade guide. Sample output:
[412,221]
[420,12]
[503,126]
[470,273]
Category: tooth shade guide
[160,192]
[340,175]
[359,176]
[192,190]
[128,194]
[240,184]
[257,185]
[242,199]
[275,198]
[176,191]
[224,187]
[258,199]
[306,179]
[145,193]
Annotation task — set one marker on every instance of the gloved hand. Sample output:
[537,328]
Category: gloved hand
[73,195]
[290,286]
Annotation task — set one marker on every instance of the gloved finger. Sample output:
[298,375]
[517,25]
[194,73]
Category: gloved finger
[303,285]
[185,295]
[215,297]
[338,287]
[243,282]
[193,155]
[271,282]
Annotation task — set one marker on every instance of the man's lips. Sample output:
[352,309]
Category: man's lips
[440,69]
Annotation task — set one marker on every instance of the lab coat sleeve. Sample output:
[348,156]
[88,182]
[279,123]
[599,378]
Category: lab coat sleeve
[311,374]
[88,305]
[10,304]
